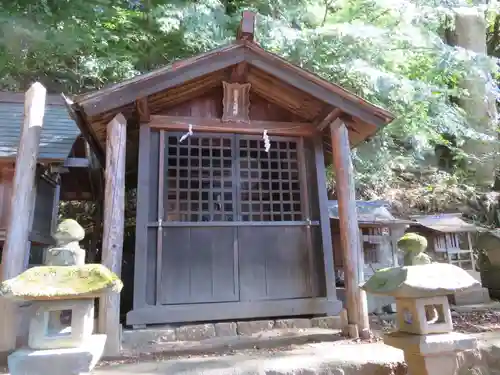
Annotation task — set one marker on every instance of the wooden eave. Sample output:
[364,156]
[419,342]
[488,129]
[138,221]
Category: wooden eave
[184,80]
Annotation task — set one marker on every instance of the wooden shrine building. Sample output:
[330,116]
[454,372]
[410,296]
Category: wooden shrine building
[232,218]
[43,159]
[62,156]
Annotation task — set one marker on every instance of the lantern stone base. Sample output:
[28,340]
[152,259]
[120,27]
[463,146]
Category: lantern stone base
[71,361]
[435,354]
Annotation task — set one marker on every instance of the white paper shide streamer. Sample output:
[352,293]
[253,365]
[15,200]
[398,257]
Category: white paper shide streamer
[188,134]
[267,141]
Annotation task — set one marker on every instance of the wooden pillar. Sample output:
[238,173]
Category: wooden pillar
[113,229]
[326,231]
[357,310]
[21,207]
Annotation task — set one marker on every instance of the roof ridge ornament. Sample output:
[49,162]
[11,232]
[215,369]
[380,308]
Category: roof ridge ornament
[246,31]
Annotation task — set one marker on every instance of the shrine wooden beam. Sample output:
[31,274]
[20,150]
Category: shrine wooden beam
[142,110]
[357,310]
[87,133]
[113,229]
[215,125]
[331,117]
[21,206]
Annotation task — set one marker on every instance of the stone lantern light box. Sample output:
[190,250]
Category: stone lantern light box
[421,294]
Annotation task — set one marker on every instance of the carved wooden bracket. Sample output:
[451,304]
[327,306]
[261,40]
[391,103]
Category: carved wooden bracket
[236,102]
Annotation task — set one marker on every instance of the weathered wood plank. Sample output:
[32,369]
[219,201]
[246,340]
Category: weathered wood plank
[22,206]
[232,310]
[179,123]
[113,231]
[198,266]
[141,237]
[349,230]
[274,264]
[326,234]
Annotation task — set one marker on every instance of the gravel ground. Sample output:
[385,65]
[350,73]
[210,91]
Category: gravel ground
[478,321]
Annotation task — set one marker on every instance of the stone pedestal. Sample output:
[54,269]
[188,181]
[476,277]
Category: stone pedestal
[435,354]
[70,361]
[475,296]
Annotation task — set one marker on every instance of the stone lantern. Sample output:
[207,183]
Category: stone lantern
[425,330]
[62,293]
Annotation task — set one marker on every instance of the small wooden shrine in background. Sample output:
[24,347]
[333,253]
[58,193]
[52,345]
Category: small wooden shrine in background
[31,188]
[62,171]
[379,232]
[450,241]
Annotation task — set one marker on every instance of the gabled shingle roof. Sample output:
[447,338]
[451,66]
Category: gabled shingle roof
[59,131]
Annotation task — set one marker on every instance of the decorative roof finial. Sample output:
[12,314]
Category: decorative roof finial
[246,30]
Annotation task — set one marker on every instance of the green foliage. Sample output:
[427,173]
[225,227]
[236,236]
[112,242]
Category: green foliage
[388,51]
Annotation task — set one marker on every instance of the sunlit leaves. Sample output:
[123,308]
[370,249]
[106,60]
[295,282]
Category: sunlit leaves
[388,51]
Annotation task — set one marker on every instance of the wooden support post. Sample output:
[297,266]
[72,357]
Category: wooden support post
[113,231]
[357,310]
[21,207]
[326,231]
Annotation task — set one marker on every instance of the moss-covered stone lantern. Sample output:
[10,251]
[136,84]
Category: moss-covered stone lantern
[62,293]
[423,314]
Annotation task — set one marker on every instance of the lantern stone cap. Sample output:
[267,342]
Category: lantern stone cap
[420,281]
[61,283]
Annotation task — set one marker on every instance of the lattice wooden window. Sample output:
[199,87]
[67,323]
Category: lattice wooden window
[200,179]
[269,181]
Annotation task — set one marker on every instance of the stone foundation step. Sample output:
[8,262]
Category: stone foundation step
[472,297]
[219,337]
[313,359]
